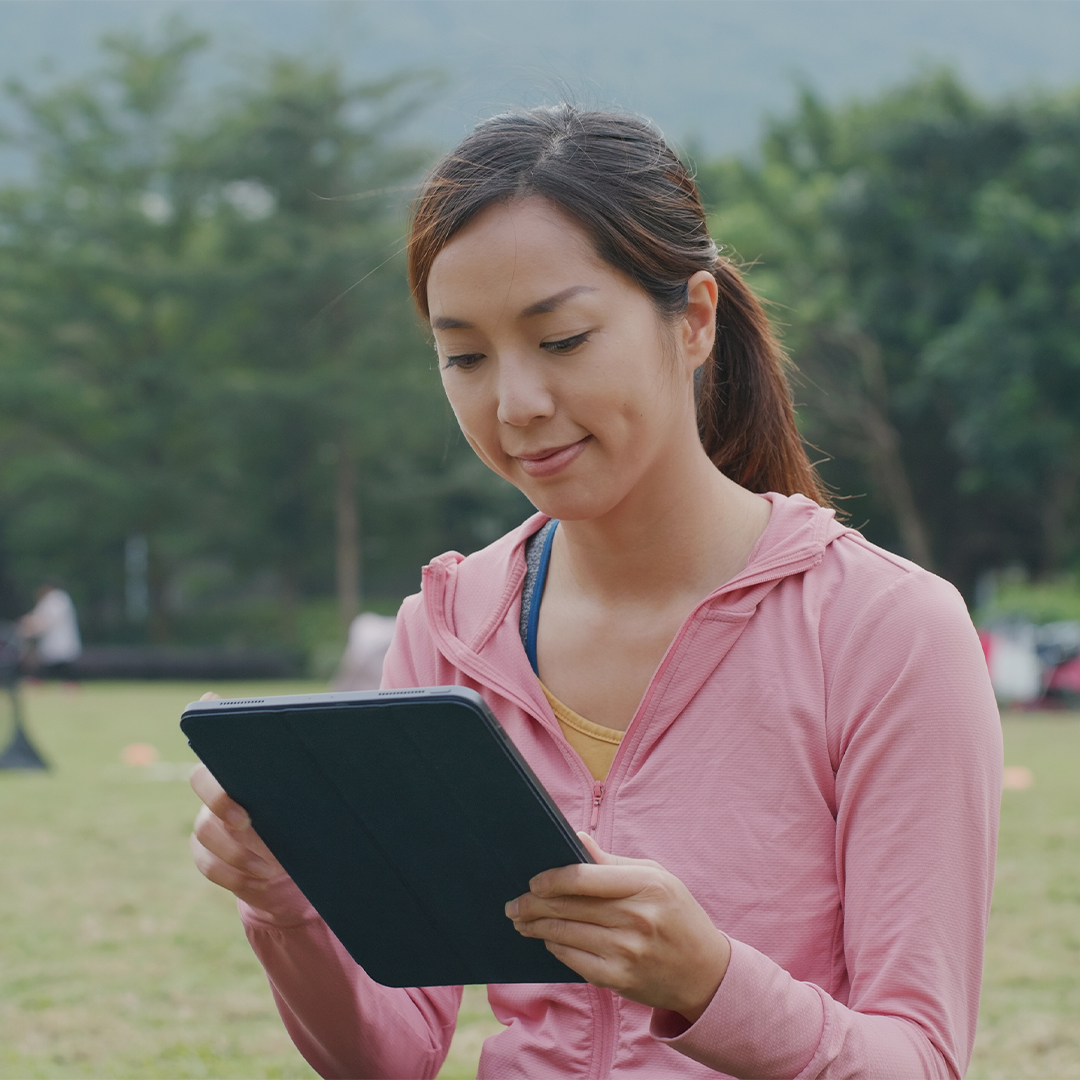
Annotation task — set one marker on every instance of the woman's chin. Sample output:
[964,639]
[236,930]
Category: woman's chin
[569,505]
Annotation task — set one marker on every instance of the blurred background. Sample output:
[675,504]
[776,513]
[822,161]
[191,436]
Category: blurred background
[219,420]
[222,432]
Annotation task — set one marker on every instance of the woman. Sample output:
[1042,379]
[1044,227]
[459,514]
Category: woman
[779,741]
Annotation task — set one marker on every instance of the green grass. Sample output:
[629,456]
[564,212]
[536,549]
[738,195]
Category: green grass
[1031,987]
[118,960]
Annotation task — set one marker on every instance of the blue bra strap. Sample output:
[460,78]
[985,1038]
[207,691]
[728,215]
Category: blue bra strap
[537,595]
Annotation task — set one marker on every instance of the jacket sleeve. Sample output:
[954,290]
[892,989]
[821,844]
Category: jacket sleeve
[915,740]
[343,1022]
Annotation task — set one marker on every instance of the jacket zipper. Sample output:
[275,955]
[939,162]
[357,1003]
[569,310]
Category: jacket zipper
[605,1008]
[597,797]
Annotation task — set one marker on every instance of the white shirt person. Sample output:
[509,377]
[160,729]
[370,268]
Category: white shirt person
[54,627]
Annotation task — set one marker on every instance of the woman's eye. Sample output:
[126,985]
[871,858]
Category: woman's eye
[565,345]
[464,360]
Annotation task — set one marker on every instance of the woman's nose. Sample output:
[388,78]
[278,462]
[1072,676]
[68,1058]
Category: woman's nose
[523,394]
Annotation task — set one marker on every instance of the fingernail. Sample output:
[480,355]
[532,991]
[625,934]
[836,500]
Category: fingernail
[512,909]
[238,819]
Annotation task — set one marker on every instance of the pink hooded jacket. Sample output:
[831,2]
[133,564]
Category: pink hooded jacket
[818,757]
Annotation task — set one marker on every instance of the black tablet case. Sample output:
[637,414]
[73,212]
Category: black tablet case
[407,818]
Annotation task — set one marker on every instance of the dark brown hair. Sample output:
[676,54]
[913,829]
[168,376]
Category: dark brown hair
[621,182]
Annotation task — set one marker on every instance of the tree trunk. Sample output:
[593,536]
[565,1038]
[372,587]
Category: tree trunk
[857,401]
[158,620]
[289,617]
[887,467]
[348,535]
[1059,502]
[886,462]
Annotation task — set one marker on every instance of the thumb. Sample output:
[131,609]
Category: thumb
[604,858]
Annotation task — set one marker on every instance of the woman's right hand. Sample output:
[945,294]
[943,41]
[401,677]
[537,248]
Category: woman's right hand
[225,847]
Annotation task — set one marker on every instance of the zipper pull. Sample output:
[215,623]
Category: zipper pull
[597,795]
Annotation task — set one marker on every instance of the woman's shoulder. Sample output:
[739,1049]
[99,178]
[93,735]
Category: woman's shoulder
[866,578]
[853,594]
[889,628]
[470,590]
[840,571]
[478,579]
[893,645]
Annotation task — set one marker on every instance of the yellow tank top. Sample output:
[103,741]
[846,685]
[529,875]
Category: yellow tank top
[594,744]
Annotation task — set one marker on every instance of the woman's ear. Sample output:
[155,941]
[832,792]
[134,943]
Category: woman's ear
[699,319]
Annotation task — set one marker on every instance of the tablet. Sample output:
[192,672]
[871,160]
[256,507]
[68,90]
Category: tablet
[406,817]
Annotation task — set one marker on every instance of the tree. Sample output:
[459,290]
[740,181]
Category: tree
[922,250]
[100,325]
[300,199]
[206,343]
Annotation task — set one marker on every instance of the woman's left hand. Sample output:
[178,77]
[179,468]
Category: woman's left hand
[629,926]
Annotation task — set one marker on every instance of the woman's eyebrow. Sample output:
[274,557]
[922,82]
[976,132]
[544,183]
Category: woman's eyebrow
[545,307]
[444,322]
[541,307]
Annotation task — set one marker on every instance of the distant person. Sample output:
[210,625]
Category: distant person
[54,630]
[369,639]
[779,741]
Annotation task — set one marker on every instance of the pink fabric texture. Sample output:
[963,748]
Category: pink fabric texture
[818,757]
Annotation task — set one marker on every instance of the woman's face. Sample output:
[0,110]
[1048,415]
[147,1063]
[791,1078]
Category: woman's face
[560,371]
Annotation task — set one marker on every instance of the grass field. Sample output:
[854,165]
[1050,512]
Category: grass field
[118,960]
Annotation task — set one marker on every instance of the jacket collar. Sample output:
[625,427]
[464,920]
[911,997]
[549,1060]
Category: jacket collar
[473,604]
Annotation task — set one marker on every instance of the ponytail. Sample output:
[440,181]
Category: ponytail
[744,410]
[620,181]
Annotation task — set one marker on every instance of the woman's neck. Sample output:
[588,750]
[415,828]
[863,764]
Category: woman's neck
[683,535]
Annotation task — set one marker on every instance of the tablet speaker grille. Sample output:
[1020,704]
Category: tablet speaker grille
[242,701]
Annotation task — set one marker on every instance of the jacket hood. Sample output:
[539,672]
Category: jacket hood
[468,600]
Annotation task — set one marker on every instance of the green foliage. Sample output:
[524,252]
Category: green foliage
[1038,602]
[206,340]
[923,249]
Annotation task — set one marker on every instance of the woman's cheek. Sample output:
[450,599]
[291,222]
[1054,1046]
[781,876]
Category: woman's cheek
[486,447]
[460,404]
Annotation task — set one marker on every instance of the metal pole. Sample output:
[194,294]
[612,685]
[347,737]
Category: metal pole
[20,752]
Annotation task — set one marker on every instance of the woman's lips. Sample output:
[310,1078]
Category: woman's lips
[550,462]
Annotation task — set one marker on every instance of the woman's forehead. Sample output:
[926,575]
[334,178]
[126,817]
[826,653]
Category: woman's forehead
[505,227]
[527,251]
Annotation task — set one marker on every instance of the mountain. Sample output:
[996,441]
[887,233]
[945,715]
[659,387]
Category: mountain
[707,71]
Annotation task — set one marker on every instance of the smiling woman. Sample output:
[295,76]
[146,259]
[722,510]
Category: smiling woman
[779,741]
[568,397]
